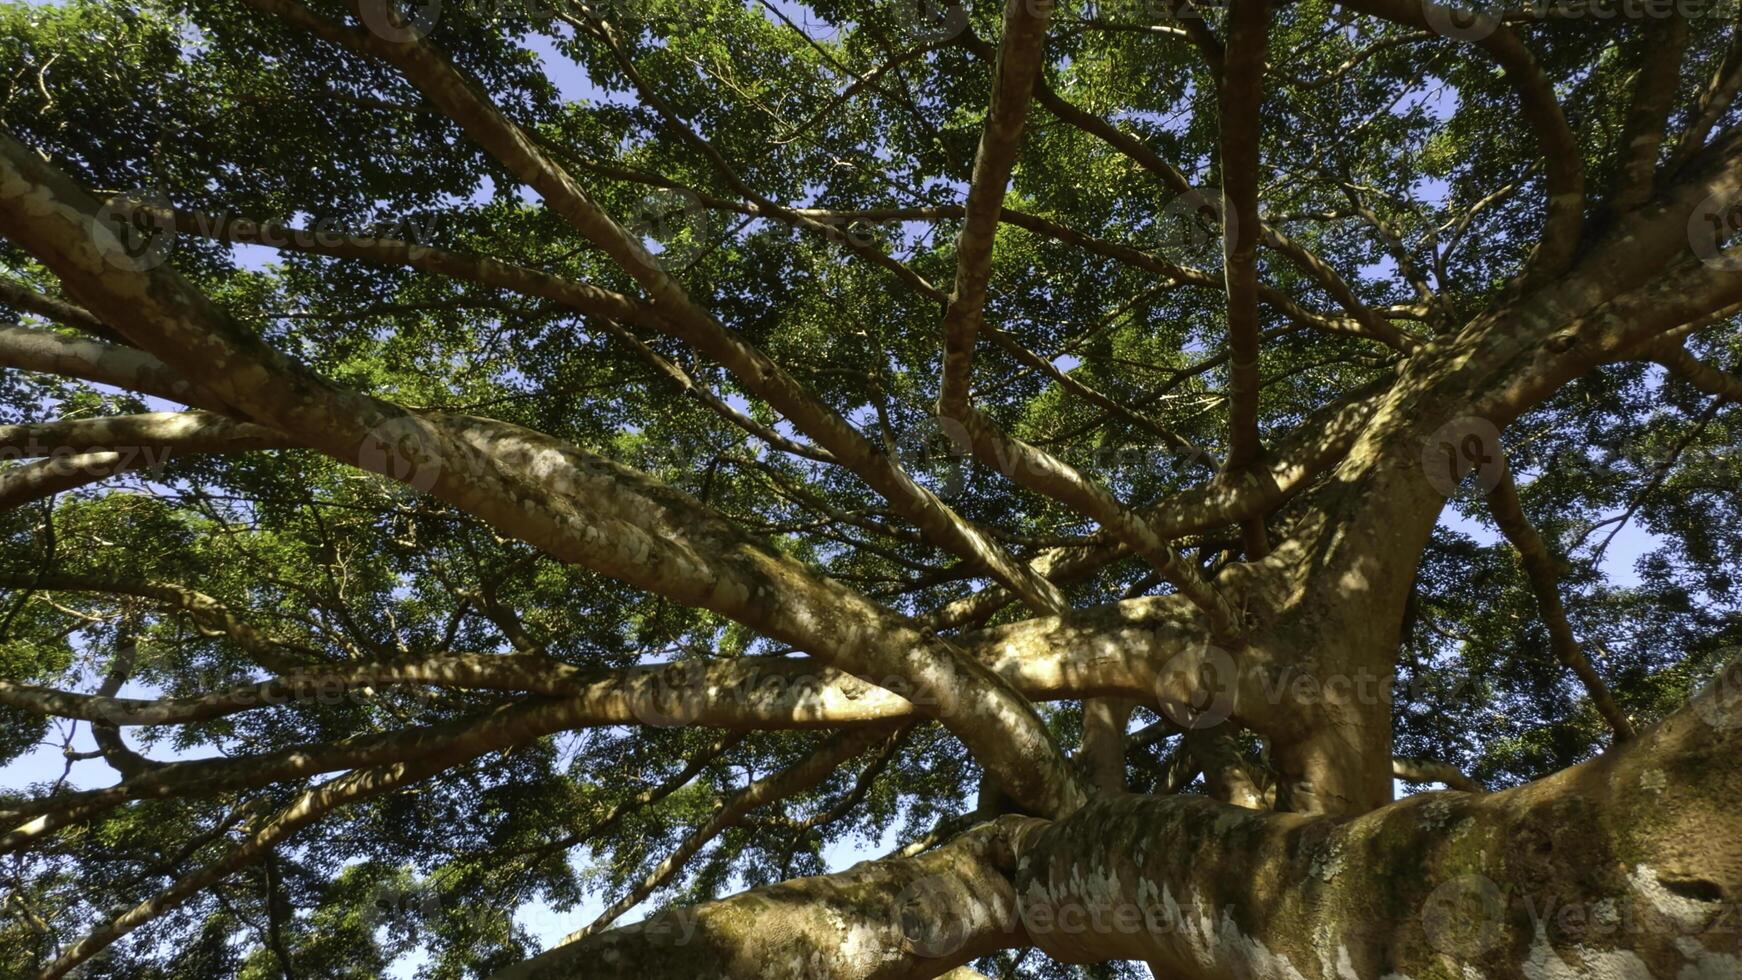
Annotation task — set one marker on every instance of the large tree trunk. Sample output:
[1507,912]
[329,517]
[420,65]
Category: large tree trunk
[1623,867]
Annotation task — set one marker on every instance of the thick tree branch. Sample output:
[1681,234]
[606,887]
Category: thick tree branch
[576,506]
[1242,94]
[60,311]
[505,141]
[30,482]
[1427,771]
[1015,71]
[1715,100]
[1684,365]
[93,360]
[1662,43]
[157,435]
[907,919]
[1202,890]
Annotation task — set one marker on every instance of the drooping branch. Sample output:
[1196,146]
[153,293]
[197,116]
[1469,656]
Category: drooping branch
[1543,570]
[578,507]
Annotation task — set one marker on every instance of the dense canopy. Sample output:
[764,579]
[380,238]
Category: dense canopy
[497,455]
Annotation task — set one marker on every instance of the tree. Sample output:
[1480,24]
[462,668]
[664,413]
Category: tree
[443,438]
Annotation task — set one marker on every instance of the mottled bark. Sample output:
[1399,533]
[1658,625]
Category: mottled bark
[1626,866]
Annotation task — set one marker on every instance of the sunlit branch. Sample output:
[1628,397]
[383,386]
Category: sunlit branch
[1015,70]
[1715,100]
[1662,43]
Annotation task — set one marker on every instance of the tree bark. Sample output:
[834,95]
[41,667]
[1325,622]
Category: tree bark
[1624,867]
